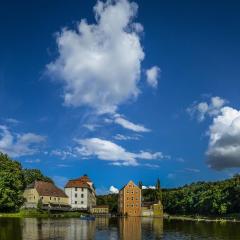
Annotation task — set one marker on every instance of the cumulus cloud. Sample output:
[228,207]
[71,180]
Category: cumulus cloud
[99,64]
[114,190]
[152,76]
[110,151]
[17,145]
[224,144]
[213,108]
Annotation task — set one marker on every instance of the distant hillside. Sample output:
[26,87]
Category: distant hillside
[206,198]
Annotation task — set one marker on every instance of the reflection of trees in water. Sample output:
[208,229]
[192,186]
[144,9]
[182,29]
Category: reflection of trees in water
[155,225]
[199,230]
[10,228]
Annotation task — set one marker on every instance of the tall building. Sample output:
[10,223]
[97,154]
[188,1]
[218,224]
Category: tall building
[81,193]
[129,200]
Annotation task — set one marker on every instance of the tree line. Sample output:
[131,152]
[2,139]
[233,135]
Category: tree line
[204,198]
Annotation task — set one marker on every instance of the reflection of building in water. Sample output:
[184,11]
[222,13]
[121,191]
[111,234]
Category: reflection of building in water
[35,229]
[130,228]
[155,224]
[81,229]
[102,222]
[44,229]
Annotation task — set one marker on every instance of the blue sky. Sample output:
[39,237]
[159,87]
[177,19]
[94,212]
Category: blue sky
[138,90]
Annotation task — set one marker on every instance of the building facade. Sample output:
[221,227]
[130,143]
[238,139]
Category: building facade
[152,209]
[100,210]
[46,195]
[129,200]
[81,193]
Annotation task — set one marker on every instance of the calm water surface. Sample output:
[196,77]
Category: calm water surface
[105,228]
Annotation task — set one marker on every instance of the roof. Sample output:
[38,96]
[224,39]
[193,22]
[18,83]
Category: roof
[47,189]
[81,182]
[130,182]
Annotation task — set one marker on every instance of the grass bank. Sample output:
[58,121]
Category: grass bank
[41,214]
[226,218]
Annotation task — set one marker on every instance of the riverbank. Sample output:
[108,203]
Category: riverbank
[229,218]
[41,214]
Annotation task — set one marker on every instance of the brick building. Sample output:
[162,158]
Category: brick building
[129,200]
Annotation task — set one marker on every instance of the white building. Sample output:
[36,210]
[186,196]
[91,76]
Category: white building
[81,193]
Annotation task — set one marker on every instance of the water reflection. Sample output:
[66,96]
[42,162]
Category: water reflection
[132,228]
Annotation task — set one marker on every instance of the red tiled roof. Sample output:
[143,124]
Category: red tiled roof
[47,189]
[81,182]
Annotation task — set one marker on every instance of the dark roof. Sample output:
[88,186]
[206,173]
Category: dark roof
[47,189]
[81,182]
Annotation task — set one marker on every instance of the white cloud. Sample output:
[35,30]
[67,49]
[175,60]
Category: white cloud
[224,144]
[129,125]
[109,151]
[114,190]
[121,137]
[63,154]
[91,127]
[152,76]
[100,64]
[17,145]
[148,187]
[203,108]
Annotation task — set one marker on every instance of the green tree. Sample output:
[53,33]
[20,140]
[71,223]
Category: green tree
[11,184]
[31,175]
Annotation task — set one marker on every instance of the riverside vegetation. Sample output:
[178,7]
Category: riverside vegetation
[220,198]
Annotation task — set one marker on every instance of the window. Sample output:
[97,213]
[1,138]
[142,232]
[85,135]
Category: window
[75,202]
[82,196]
[82,189]
[75,189]
[50,198]
[75,195]
[81,202]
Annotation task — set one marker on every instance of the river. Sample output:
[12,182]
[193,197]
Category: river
[114,228]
